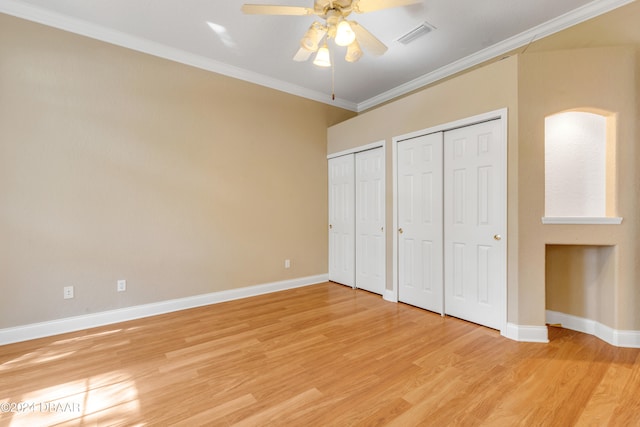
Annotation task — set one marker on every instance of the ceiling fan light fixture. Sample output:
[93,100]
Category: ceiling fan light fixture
[354,52]
[344,34]
[323,57]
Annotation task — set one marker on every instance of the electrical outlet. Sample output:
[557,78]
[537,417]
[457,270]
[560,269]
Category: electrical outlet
[67,292]
[122,285]
[287,263]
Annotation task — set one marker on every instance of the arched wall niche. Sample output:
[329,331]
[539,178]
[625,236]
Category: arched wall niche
[580,167]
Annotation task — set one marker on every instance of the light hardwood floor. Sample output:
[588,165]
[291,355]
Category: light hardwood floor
[316,356]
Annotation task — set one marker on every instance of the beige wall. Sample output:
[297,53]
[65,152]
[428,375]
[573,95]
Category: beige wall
[585,79]
[115,164]
[482,90]
[580,280]
[551,75]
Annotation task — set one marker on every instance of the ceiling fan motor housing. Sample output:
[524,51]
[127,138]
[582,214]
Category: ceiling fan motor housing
[321,7]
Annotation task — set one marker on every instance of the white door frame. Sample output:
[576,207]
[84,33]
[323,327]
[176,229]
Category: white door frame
[358,149]
[354,150]
[501,115]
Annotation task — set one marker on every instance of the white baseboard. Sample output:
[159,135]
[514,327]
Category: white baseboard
[526,333]
[71,324]
[390,296]
[615,337]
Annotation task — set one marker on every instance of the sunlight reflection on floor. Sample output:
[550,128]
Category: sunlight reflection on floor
[51,352]
[108,398]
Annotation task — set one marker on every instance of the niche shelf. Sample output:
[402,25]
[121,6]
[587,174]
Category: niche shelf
[615,220]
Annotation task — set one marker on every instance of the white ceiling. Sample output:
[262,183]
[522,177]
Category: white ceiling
[260,48]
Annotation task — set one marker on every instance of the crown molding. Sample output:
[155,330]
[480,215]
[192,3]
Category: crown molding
[584,13]
[52,19]
[83,28]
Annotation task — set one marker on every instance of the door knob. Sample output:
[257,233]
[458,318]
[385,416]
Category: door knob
[497,237]
[381,228]
[330,226]
[400,231]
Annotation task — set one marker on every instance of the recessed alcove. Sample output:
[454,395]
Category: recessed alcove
[580,281]
[580,168]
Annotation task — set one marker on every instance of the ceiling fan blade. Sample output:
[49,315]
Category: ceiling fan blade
[267,9]
[367,40]
[302,55]
[364,6]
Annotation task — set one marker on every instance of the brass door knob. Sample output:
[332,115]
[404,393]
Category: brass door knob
[400,230]
[497,237]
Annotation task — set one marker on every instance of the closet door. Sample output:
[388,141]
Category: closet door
[370,204]
[342,220]
[475,223]
[420,186]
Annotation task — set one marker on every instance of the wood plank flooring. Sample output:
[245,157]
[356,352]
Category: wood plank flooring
[323,355]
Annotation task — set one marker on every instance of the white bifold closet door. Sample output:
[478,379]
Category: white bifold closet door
[370,204]
[475,223]
[356,220]
[420,222]
[342,220]
[451,219]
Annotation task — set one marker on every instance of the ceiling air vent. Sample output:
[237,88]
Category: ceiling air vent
[417,32]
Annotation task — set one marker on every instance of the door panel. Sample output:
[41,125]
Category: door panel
[341,220]
[370,204]
[420,222]
[474,212]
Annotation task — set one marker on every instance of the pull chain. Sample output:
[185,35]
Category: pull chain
[333,77]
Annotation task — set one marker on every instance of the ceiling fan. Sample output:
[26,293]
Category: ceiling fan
[335,26]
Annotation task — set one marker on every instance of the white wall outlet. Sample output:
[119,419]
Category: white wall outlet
[287,263]
[122,285]
[67,292]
